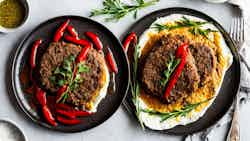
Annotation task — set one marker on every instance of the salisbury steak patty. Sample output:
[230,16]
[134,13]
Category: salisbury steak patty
[53,58]
[205,61]
[92,81]
[194,72]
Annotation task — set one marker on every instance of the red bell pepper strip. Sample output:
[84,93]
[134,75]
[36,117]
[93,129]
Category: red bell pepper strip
[72,31]
[96,40]
[181,53]
[33,53]
[77,41]
[72,111]
[81,113]
[131,37]
[68,121]
[41,96]
[67,114]
[60,31]
[48,116]
[63,107]
[111,61]
[60,92]
[83,54]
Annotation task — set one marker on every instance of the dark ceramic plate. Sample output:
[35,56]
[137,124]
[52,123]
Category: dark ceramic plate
[230,84]
[46,31]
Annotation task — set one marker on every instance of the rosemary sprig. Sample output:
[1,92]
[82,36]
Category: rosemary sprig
[202,32]
[170,67]
[117,9]
[176,113]
[135,87]
[195,27]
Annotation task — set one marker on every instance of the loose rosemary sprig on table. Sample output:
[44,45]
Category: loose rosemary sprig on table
[195,27]
[135,87]
[116,9]
[176,113]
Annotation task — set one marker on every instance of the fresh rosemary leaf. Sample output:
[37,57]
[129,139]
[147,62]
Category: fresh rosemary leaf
[64,97]
[116,9]
[203,32]
[170,67]
[135,87]
[140,1]
[161,27]
[195,27]
[176,113]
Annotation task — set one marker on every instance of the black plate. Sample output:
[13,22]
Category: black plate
[46,31]
[230,84]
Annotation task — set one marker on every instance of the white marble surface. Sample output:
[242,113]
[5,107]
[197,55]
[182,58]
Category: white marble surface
[120,126]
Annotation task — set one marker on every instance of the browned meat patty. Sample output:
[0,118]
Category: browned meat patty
[205,61]
[54,57]
[194,73]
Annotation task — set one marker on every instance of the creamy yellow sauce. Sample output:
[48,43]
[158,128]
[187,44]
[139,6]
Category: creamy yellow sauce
[201,94]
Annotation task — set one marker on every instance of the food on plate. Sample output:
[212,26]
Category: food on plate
[92,79]
[70,77]
[177,69]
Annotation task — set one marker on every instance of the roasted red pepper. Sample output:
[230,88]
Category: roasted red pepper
[68,121]
[33,53]
[60,31]
[72,31]
[67,114]
[48,116]
[96,40]
[131,37]
[63,107]
[60,92]
[181,53]
[81,113]
[41,96]
[77,41]
[72,111]
[83,54]
[111,61]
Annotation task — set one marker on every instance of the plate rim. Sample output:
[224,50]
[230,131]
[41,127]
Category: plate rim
[14,67]
[192,12]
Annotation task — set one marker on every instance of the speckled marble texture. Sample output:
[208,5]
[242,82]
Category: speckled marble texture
[120,126]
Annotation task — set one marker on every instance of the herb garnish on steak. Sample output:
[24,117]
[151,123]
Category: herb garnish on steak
[85,87]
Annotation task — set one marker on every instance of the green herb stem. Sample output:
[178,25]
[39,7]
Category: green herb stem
[195,27]
[170,67]
[117,9]
[176,113]
[135,87]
